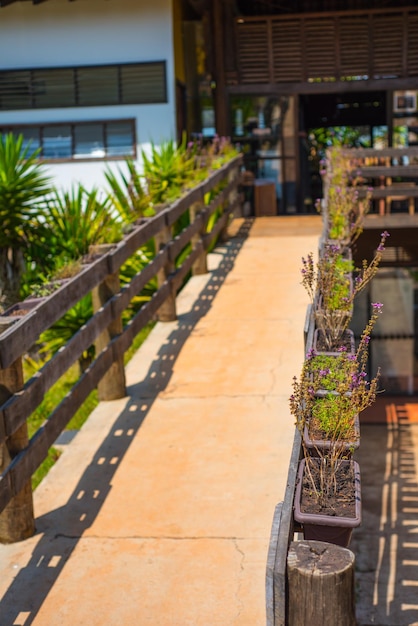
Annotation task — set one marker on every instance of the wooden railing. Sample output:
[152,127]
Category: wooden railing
[389,174]
[284,528]
[19,458]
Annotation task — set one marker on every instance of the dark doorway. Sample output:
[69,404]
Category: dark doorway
[353,119]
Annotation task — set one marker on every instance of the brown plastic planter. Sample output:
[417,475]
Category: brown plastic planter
[331,529]
[22,308]
[349,337]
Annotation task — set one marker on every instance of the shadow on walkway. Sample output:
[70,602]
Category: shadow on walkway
[60,530]
[386,543]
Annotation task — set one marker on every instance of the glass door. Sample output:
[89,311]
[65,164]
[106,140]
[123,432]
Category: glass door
[264,126]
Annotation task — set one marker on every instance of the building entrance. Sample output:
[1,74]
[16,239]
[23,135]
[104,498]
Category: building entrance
[353,119]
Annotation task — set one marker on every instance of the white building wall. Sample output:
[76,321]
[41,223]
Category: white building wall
[59,33]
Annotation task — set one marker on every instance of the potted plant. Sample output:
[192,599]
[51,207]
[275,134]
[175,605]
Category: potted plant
[328,498]
[326,402]
[343,210]
[332,291]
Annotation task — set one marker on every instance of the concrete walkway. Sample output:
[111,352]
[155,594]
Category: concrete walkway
[159,511]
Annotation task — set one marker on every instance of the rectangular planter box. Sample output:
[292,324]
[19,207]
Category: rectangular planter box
[328,528]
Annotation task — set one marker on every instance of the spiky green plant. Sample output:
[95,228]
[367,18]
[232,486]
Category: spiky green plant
[77,219]
[166,170]
[23,186]
[127,194]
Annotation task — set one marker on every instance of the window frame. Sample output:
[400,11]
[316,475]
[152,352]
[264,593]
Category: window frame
[15,128]
[35,83]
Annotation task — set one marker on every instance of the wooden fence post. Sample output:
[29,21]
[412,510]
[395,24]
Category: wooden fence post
[232,196]
[113,384]
[321,584]
[200,266]
[17,519]
[167,311]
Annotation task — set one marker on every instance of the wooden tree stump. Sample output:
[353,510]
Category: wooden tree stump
[321,584]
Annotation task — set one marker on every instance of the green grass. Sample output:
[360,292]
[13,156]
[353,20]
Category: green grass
[43,469]
[57,392]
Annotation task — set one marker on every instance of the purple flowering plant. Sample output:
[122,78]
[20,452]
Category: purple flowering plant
[344,208]
[328,397]
[342,374]
[332,289]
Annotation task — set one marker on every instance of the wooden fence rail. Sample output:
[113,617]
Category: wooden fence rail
[18,334]
[283,526]
[284,537]
[388,174]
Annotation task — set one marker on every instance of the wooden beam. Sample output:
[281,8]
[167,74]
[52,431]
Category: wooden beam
[307,88]
[217,23]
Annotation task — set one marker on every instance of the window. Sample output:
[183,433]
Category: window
[56,142]
[81,140]
[94,85]
[31,135]
[89,141]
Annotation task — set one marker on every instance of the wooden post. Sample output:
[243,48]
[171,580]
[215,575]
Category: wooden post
[200,266]
[17,519]
[167,311]
[218,34]
[113,384]
[321,584]
[232,175]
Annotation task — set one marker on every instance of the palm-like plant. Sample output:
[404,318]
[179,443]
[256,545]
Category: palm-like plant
[77,219]
[127,194]
[167,170]
[23,186]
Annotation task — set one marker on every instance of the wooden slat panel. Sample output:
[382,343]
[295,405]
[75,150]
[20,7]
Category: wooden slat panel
[354,46]
[319,53]
[387,45]
[287,51]
[340,45]
[412,47]
[253,52]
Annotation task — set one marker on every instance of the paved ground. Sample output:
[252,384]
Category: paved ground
[386,543]
[159,511]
